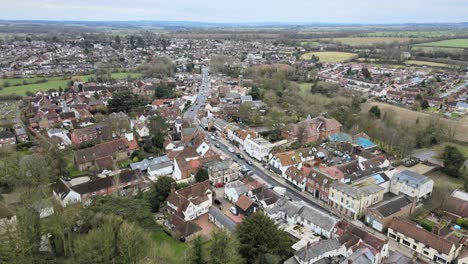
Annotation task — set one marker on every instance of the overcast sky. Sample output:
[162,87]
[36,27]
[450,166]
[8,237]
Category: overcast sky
[327,11]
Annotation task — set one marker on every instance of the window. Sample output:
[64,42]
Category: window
[414,246]
[426,253]
[392,235]
[406,243]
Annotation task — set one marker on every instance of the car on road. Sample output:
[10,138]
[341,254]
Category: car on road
[191,110]
[233,210]
[217,202]
[217,145]
[231,150]
[250,162]
[240,156]
[219,185]
[213,138]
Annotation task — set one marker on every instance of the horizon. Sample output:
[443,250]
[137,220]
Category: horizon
[240,12]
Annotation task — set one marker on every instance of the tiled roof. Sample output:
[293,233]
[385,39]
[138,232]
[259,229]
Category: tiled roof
[244,202]
[410,229]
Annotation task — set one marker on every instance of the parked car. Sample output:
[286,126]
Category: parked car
[231,150]
[217,202]
[240,156]
[219,185]
[213,137]
[233,210]
[250,162]
[217,145]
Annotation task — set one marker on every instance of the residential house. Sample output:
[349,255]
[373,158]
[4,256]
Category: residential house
[320,250]
[294,213]
[222,171]
[412,184]
[154,167]
[258,148]
[21,134]
[312,129]
[192,201]
[90,133]
[184,230]
[263,196]
[104,155]
[380,215]
[233,190]
[352,200]
[245,206]
[296,177]
[364,246]
[124,183]
[318,184]
[419,240]
[218,218]
[7,138]
[142,130]
[281,161]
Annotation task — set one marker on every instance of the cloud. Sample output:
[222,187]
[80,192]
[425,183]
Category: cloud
[331,11]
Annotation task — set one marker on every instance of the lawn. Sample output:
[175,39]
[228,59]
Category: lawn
[330,56]
[450,43]
[162,238]
[369,41]
[52,83]
[443,185]
[426,63]
[74,172]
[463,148]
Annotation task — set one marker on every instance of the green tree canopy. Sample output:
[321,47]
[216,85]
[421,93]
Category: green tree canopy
[224,249]
[160,191]
[260,237]
[375,111]
[124,101]
[202,175]
[453,161]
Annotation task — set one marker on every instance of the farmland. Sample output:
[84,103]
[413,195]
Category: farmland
[405,115]
[51,83]
[433,50]
[332,57]
[369,41]
[416,34]
[426,63]
[451,43]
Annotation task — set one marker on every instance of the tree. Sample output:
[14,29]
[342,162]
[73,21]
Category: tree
[366,73]
[202,175]
[195,255]
[224,249]
[164,91]
[133,243]
[453,161]
[160,191]
[425,104]
[158,132]
[375,111]
[255,93]
[259,237]
[124,101]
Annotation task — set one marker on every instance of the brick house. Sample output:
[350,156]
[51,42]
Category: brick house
[7,138]
[312,129]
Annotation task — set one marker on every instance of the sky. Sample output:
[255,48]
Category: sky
[240,11]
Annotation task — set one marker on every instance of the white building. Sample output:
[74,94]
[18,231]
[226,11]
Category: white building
[412,184]
[258,148]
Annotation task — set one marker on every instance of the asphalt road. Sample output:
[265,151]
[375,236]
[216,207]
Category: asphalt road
[203,92]
[290,193]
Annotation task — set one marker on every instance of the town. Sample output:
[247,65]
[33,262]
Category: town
[173,148]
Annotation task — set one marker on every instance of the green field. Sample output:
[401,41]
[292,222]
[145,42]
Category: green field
[330,56]
[450,43]
[416,34]
[433,50]
[369,41]
[163,238]
[52,83]
[426,63]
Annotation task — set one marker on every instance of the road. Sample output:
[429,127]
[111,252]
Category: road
[259,171]
[203,92]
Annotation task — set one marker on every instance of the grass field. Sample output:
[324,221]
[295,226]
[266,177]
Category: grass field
[369,41]
[426,63]
[454,51]
[463,148]
[52,83]
[415,34]
[443,185]
[330,56]
[451,43]
[406,115]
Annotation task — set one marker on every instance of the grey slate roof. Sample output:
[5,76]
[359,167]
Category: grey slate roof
[317,249]
[144,164]
[304,211]
[389,207]
[225,221]
[238,186]
[410,178]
